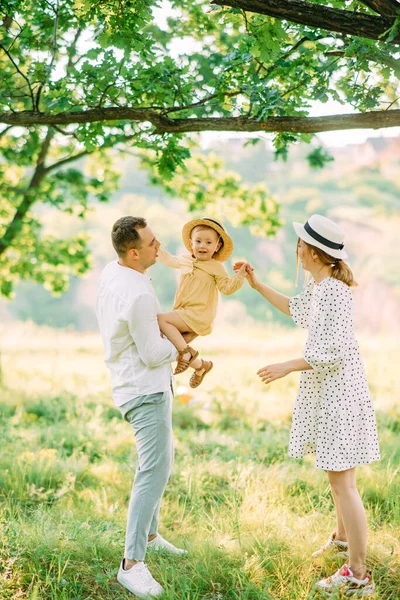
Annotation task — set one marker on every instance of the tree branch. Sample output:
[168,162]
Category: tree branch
[167,111]
[110,85]
[72,49]
[162,124]
[393,63]
[7,22]
[29,199]
[369,120]
[386,8]
[316,15]
[74,157]
[5,130]
[68,133]
[21,73]
[53,54]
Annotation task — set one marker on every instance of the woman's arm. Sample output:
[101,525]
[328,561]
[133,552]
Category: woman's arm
[278,300]
[272,372]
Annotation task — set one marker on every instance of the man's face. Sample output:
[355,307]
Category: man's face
[148,252]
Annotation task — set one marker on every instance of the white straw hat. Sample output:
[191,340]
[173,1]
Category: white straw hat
[224,252]
[323,233]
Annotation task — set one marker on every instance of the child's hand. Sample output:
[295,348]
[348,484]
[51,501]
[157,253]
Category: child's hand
[249,272]
[238,265]
[242,269]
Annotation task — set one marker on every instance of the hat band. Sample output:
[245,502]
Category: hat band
[212,221]
[321,239]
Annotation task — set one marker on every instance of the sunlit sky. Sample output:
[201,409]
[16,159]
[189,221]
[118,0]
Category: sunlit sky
[331,138]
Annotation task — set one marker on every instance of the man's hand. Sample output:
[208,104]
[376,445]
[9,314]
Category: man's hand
[272,372]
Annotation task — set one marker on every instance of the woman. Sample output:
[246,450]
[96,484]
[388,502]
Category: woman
[333,414]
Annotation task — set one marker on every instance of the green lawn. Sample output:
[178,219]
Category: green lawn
[249,516]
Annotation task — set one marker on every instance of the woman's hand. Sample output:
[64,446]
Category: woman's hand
[272,372]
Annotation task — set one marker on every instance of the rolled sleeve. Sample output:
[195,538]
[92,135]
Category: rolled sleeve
[228,285]
[324,358]
[300,307]
[329,342]
[153,349]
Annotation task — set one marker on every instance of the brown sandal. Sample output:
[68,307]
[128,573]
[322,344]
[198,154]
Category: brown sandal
[195,379]
[184,363]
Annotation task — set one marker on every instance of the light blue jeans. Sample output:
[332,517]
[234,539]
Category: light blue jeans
[151,419]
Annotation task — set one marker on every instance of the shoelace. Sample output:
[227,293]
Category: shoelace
[145,574]
[334,542]
[325,547]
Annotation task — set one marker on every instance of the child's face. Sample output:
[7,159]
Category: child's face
[205,242]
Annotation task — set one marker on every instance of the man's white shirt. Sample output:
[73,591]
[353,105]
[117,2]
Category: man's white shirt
[138,357]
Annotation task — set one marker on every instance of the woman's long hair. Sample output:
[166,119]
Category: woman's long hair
[340,269]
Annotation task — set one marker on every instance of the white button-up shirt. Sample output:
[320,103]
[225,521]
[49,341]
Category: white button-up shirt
[136,354]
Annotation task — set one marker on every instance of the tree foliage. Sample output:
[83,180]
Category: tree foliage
[80,78]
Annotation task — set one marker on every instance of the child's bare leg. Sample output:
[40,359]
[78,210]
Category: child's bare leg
[189,336]
[173,326]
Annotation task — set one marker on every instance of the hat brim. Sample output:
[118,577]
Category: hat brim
[306,237]
[224,253]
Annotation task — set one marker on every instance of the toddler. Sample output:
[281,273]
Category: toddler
[202,275]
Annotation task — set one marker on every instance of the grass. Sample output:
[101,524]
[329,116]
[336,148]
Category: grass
[249,516]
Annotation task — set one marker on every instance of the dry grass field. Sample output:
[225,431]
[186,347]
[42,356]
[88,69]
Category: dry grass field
[249,516]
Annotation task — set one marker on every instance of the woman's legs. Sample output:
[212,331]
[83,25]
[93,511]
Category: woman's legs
[173,326]
[351,512]
[340,530]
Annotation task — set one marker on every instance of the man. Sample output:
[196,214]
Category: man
[139,361]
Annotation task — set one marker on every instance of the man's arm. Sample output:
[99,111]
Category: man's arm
[143,327]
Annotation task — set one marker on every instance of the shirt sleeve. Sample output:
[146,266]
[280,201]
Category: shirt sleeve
[300,306]
[227,285]
[331,335]
[184,262]
[167,259]
[153,350]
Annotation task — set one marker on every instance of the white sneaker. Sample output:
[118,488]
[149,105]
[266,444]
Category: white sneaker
[139,581]
[162,545]
[345,582]
[333,544]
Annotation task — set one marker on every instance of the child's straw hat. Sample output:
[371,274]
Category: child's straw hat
[227,248]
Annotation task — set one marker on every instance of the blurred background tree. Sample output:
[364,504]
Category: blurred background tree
[82,82]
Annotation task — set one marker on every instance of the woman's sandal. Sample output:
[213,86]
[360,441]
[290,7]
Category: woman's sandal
[184,363]
[195,379]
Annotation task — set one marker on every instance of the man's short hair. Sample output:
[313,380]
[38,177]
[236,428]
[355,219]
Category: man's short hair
[125,236]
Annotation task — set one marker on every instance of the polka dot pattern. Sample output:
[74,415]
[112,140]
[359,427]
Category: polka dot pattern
[333,415]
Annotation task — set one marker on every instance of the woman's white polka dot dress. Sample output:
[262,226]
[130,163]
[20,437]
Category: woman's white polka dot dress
[333,414]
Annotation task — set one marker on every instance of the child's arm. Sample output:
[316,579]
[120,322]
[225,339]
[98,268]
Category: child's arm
[169,260]
[229,285]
